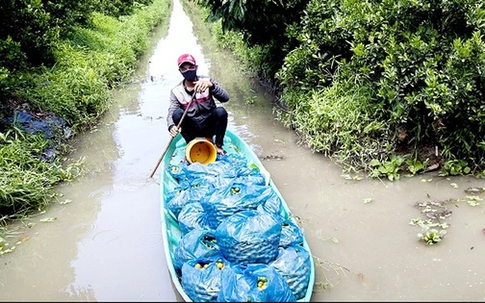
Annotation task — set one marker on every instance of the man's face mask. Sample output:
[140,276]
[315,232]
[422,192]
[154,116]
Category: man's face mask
[190,75]
[189,72]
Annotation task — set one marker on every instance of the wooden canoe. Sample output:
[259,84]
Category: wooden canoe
[171,227]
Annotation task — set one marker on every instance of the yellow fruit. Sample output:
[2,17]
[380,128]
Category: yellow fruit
[262,283]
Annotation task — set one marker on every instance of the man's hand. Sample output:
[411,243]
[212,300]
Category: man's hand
[202,85]
[174,130]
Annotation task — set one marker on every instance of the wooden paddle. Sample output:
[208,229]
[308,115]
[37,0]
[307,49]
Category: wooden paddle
[171,138]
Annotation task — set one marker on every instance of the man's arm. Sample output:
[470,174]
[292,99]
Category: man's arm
[174,104]
[218,91]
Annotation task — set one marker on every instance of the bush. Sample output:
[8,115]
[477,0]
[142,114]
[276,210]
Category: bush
[76,89]
[420,63]
[27,179]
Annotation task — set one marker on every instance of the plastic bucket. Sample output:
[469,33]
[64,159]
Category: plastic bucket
[200,150]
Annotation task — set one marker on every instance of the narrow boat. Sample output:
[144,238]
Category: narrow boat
[247,271]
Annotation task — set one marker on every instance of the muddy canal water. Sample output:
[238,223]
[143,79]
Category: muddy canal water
[104,243]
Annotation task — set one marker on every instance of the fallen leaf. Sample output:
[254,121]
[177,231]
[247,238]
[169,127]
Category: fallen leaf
[48,219]
[65,201]
[361,278]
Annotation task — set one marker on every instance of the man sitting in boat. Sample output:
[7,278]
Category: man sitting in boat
[193,111]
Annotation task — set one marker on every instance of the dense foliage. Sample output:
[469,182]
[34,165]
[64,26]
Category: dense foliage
[261,23]
[29,29]
[380,86]
[415,67]
[27,178]
[44,104]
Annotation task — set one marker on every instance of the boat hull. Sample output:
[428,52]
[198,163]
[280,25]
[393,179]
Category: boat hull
[171,230]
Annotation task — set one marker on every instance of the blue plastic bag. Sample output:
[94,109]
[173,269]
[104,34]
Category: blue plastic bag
[234,197]
[271,201]
[249,237]
[254,283]
[215,173]
[294,264]
[192,217]
[291,234]
[177,171]
[201,278]
[194,245]
[249,175]
[194,193]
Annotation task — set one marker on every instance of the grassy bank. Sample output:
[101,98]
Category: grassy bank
[55,103]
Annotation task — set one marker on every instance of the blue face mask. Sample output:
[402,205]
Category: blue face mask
[190,75]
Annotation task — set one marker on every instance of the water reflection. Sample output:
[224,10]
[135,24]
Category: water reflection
[131,253]
[106,244]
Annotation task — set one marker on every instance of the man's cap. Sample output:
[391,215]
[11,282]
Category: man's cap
[186,58]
